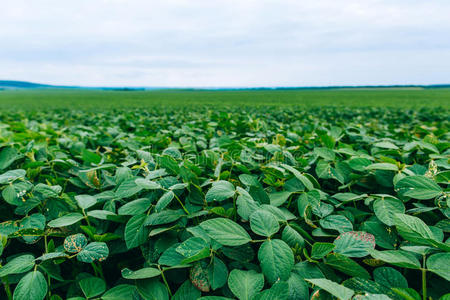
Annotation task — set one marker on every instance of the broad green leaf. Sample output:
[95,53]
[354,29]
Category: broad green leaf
[12,175]
[90,157]
[354,243]
[32,286]
[413,229]
[152,289]
[297,287]
[85,201]
[346,265]
[147,184]
[382,166]
[128,188]
[245,284]
[192,246]
[101,214]
[92,286]
[418,187]
[141,273]
[9,194]
[75,243]
[407,293]
[390,277]
[292,237]
[163,217]
[366,286]
[51,255]
[187,292]
[66,220]
[385,209]
[245,204]
[119,292]
[264,223]
[217,273]
[333,288]
[135,207]
[368,296]
[306,269]
[278,291]
[17,265]
[276,260]
[225,231]
[319,249]
[439,264]
[164,201]
[220,191]
[325,153]
[385,237]
[33,222]
[171,257]
[303,179]
[199,276]
[7,156]
[398,258]
[95,251]
[279,198]
[135,231]
[386,145]
[336,222]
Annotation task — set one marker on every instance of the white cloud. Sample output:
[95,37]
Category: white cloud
[225,43]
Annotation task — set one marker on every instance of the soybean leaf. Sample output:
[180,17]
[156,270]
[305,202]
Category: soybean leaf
[385,209]
[32,286]
[354,243]
[225,231]
[319,250]
[85,201]
[66,220]
[439,264]
[17,265]
[141,273]
[135,231]
[418,187]
[398,258]
[245,284]
[333,288]
[336,222]
[276,260]
[95,251]
[264,223]
[119,292]
[151,289]
[220,191]
[92,286]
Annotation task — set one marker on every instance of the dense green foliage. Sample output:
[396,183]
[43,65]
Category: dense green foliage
[222,202]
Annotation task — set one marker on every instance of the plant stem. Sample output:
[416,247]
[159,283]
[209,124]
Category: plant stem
[165,282]
[48,276]
[424,280]
[234,208]
[7,288]
[100,271]
[86,217]
[95,269]
[181,203]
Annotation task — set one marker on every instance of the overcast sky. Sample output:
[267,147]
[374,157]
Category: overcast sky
[225,43]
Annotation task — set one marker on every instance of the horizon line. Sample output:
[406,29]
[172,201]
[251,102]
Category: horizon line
[20,84]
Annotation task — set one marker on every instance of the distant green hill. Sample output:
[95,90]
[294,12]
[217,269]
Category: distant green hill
[11,84]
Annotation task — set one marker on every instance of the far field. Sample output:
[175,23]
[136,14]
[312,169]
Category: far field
[98,99]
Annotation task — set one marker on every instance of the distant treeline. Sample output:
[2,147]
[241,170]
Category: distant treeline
[10,84]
